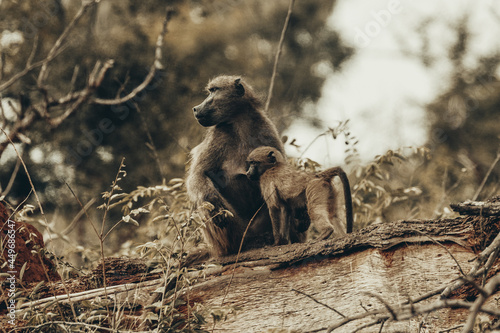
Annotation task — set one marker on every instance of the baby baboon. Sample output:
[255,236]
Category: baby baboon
[287,191]
[237,125]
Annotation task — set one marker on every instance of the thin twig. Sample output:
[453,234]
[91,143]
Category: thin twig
[492,166]
[95,80]
[444,247]
[33,51]
[84,209]
[11,180]
[387,306]
[314,140]
[407,312]
[20,74]
[321,303]
[484,261]
[370,324]
[382,326]
[151,143]
[278,54]
[427,295]
[72,83]
[239,252]
[490,289]
[450,329]
[59,42]
[353,318]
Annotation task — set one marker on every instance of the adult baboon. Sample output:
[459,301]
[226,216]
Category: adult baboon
[288,191]
[236,125]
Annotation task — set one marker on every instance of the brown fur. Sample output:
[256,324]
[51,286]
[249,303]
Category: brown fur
[236,125]
[287,191]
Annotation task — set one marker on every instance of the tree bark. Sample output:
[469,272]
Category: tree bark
[380,269]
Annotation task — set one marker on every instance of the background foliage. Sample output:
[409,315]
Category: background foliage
[156,130]
[145,212]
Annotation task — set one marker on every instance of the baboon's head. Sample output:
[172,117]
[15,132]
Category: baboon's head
[262,159]
[227,96]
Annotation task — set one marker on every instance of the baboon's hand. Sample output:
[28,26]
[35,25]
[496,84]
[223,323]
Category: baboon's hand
[216,210]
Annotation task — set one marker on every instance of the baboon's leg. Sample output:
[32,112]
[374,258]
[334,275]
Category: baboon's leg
[333,213]
[277,218]
[285,221]
[319,195]
[221,241]
[299,224]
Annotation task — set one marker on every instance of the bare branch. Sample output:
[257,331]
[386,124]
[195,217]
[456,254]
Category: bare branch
[353,318]
[387,306]
[73,78]
[487,257]
[278,54]
[95,80]
[321,303]
[150,144]
[370,324]
[54,51]
[33,51]
[17,128]
[157,65]
[73,100]
[492,166]
[490,289]
[409,311]
[19,75]
[445,248]
[11,180]
[83,211]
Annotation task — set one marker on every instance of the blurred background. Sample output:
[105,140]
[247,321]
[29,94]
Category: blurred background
[403,94]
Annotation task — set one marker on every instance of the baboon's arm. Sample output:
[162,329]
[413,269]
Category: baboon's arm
[202,180]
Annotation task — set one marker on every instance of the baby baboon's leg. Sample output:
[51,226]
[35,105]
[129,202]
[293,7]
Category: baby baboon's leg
[319,197]
[299,224]
[333,213]
[276,220]
[286,220]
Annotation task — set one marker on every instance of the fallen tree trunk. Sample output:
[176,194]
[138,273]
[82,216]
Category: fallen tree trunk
[388,275]
[480,208]
[411,276]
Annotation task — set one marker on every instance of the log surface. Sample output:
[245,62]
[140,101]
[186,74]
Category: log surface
[308,287]
[270,298]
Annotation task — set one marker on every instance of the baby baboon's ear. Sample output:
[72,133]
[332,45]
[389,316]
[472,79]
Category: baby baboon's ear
[272,158]
[240,90]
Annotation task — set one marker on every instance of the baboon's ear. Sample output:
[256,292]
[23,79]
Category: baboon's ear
[271,157]
[240,90]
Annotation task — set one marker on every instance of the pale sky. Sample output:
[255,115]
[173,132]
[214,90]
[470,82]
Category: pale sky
[382,91]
